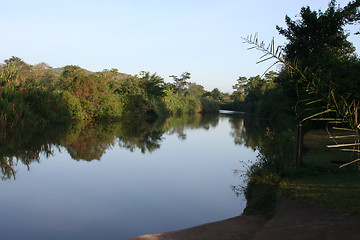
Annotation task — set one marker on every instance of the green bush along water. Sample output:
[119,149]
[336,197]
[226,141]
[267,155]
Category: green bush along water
[39,95]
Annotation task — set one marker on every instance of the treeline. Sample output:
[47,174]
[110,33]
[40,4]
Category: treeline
[320,69]
[38,95]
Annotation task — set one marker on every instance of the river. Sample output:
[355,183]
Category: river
[121,180]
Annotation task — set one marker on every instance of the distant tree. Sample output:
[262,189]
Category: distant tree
[68,75]
[271,76]
[153,84]
[43,74]
[241,86]
[182,81]
[19,65]
[18,62]
[110,73]
[195,90]
[216,94]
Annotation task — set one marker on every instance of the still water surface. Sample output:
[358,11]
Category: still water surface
[110,183]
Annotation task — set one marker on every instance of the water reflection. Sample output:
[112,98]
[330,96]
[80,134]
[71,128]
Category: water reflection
[124,176]
[90,142]
[26,146]
[248,130]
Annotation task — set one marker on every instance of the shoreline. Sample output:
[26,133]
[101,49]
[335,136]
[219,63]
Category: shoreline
[294,219]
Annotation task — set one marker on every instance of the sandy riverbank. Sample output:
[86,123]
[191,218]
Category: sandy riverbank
[294,219]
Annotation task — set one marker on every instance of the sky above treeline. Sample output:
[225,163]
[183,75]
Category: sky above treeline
[168,37]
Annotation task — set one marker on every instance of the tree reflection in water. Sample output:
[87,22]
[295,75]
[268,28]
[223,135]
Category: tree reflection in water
[26,146]
[248,130]
[90,142]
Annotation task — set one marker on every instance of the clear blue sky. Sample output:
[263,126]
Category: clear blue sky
[163,36]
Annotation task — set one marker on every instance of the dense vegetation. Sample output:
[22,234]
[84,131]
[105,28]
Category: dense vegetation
[319,80]
[37,95]
[320,69]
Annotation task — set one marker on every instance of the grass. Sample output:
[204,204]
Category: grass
[338,191]
[319,180]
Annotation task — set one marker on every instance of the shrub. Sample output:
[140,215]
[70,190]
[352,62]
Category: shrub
[209,105]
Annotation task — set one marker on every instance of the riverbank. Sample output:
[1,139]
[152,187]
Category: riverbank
[294,219]
[317,201]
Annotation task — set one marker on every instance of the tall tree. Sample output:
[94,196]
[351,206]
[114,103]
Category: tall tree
[318,45]
[182,81]
[153,84]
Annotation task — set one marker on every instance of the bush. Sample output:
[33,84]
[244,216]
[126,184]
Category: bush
[110,107]
[74,107]
[31,106]
[209,105]
[274,158]
[182,103]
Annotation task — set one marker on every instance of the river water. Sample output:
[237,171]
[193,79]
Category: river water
[118,181]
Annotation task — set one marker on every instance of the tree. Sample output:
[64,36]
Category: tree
[316,35]
[20,66]
[216,94]
[321,67]
[68,75]
[110,73]
[153,84]
[352,13]
[318,47]
[181,82]
[195,90]
[43,74]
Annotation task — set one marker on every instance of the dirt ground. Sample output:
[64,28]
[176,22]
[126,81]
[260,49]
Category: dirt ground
[294,220]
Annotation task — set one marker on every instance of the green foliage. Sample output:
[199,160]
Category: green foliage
[182,81]
[321,59]
[41,95]
[69,73]
[320,80]
[141,95]
[110,107]
[180,103]
[261,199]
[321,71]
[321,180]
[316,36]
[152,84]
[261,96]
[9,76]
[209,105]
[74,107]
[186,100]
[217,96]
[274,159]
[42,73]
[29,104]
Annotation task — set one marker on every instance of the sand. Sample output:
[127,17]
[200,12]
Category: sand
[294,220]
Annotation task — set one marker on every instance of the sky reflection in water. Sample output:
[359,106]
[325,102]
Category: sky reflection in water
[184,182]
